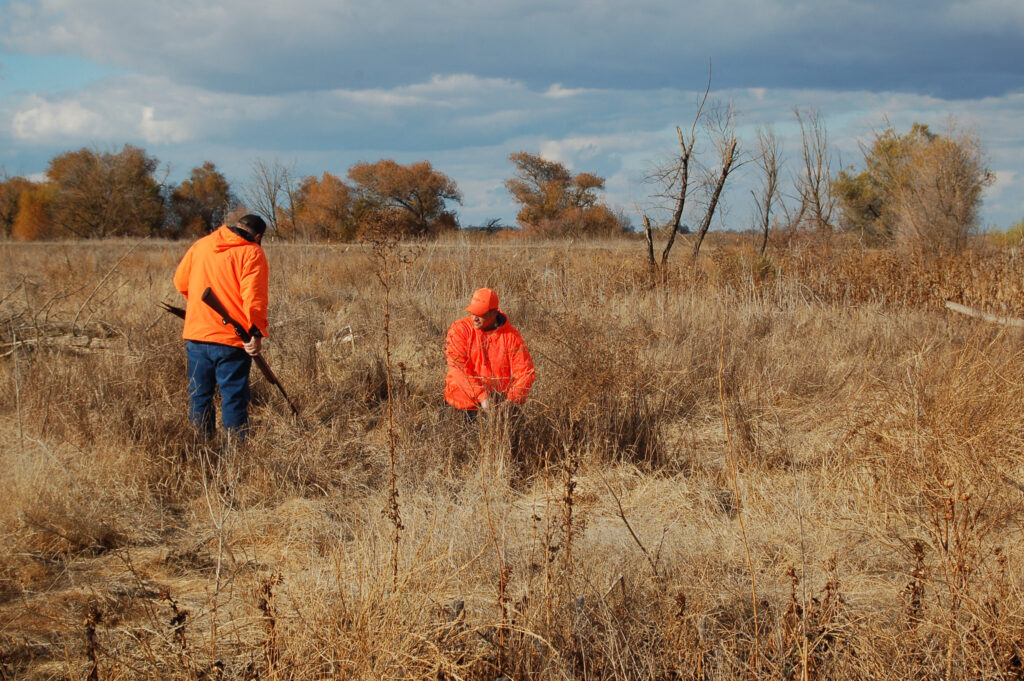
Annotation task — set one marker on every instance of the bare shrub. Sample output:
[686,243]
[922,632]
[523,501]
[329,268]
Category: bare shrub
[936,209]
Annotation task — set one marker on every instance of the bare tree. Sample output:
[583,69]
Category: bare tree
[677,177]
[814,182]
[723,130]
[767,194]
[271,191]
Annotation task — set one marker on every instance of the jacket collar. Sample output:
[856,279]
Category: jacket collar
[499,322]
[229,238]
[242,233]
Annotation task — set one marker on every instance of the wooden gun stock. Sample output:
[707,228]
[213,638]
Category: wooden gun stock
[211,299]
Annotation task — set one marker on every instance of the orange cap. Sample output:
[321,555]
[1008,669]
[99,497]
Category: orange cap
[484,300]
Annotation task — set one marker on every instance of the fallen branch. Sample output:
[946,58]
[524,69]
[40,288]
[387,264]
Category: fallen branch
[984,316]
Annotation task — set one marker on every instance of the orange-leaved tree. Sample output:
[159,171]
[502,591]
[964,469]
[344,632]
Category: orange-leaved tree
[322,209]
[414,196]
[34,219]
[554,201]
[100,194]
[11,190]
[200,202]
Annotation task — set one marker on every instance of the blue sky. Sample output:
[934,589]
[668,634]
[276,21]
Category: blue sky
[598,85]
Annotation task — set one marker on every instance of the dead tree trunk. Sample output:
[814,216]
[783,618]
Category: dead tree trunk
[675,177]
[728,160]
[650,240]
[684,184]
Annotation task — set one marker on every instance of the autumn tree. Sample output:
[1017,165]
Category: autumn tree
[11,191]
[199,203]
[540,187]
[415,196]
[920,190]
[323,209]
[554,201]
[34,218]
[99,194]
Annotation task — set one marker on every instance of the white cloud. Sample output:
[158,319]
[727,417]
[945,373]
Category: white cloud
[1005,179]
[76,122]
[575,150]
[156,131]
[493,120]
[137,109]
[379,98]
[41,120]
[463,83]
[556,91]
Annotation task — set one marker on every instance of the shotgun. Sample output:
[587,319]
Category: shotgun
[210,298]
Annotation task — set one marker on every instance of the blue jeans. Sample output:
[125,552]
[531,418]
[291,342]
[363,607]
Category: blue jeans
[211,365]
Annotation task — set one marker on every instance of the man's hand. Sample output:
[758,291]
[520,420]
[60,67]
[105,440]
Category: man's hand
[254,345]
[485,404]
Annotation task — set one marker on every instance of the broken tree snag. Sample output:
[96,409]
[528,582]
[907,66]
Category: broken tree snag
[1015,322]
[728,159]
[683,171]
[650,240]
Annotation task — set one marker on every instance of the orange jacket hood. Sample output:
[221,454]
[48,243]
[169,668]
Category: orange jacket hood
[237,271]
[483,363]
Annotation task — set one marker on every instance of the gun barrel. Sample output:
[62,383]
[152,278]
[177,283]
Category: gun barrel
[173,309]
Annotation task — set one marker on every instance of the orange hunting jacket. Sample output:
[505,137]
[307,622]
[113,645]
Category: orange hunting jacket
[482,363]
[237,271]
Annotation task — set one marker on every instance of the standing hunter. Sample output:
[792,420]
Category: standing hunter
[231,262]
[487,359]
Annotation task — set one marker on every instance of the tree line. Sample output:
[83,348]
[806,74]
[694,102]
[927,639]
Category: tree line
[91,193]
[918,190]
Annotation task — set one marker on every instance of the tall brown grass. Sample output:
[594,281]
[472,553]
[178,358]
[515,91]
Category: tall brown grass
[808,436]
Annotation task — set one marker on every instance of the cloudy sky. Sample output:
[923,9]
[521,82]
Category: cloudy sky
[599,85]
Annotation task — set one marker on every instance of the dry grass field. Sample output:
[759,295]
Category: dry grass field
[795,467]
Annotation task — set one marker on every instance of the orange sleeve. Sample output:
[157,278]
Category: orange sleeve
[523,372]
[183,272]
[456,352]
[254,289]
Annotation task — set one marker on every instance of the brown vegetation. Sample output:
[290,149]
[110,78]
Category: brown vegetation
[797,466]
[920,191]
[556,203]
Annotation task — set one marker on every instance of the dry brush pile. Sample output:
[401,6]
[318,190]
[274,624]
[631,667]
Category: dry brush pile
[794,467]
